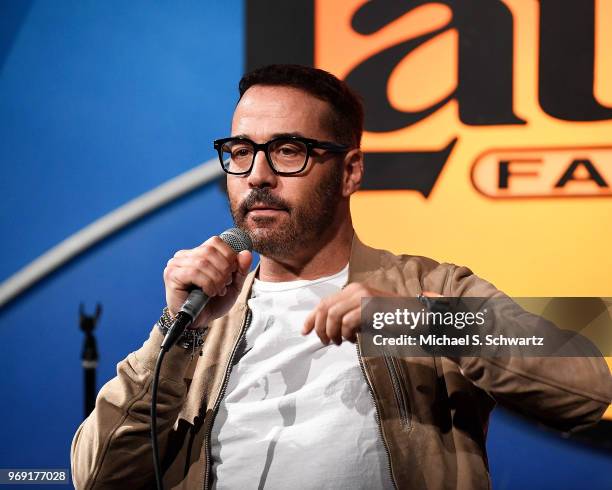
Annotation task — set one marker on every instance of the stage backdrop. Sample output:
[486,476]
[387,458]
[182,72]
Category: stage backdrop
[487,133]
[487,144]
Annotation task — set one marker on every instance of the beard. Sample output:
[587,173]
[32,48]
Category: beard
[308,220]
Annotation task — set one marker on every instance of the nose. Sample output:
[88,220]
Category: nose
[261,174]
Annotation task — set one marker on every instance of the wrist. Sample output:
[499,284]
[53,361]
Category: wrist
[170,312]
[191,338]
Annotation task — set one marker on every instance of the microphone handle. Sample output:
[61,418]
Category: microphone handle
[195,303]
[192,307]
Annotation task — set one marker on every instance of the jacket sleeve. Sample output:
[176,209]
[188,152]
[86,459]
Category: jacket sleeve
[111,448]
[568,393]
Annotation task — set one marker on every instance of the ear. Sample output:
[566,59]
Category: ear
[353,172]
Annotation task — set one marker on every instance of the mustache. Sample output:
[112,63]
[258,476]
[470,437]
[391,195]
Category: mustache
[262,196]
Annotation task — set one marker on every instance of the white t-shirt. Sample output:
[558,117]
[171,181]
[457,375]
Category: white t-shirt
[296,414]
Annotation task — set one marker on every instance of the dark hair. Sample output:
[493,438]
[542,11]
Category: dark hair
[346,117]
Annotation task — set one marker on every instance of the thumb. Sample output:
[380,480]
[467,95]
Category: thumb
[244,262]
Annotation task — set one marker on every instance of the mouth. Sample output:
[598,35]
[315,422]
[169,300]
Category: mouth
[264,208]
[261,207]
[264,211]
[264,214]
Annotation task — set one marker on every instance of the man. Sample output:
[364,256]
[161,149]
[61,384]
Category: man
[281,396]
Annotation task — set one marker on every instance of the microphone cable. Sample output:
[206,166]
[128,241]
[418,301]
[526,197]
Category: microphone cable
[238,240]
[181,322]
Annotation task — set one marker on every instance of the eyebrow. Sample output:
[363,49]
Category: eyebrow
[275,135]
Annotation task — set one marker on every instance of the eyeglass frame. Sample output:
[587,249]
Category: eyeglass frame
[310,143]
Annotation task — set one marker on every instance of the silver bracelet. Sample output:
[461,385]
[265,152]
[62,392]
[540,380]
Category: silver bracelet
[192,338]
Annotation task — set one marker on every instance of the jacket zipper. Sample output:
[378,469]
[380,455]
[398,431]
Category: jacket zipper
[245,326]
[382,435]
[400,397]
[224,387]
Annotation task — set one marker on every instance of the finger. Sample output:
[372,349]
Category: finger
[351,324]
[180,253]
[309,324]
[214,256]
[244,258]
[202,263]
[220,278]
[186,278]
[341,304]
[212,244]
[319,327]
[218,244]
[431,294]
[208,255]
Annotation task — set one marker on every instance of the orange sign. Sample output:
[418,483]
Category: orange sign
[472,100]
[488,130]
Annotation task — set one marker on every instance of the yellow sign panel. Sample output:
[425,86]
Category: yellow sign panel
[537,246]
[488,134]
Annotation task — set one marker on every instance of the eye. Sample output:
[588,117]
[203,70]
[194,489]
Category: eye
[290,149]
[240,151]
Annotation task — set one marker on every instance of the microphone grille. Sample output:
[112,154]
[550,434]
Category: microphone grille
[237,239]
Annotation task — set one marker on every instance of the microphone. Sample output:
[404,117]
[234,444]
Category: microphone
[238,240]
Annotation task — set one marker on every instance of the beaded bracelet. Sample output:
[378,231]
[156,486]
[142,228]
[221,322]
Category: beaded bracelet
[192,338]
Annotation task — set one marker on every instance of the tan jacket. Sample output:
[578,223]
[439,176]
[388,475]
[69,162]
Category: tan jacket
[432,411]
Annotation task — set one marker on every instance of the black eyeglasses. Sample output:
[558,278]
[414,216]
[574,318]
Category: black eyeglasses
[287,155]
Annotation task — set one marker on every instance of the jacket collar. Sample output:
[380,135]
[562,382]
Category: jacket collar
[363,261]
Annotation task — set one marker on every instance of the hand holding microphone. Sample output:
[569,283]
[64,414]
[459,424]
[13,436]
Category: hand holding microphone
[210,275]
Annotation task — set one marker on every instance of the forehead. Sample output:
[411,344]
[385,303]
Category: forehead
[264,111]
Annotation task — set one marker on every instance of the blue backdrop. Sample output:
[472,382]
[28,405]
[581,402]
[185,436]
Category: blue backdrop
[100,102]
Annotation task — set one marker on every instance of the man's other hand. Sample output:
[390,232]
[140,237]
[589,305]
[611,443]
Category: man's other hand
[338,317]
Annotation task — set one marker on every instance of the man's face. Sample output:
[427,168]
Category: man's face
[284,213]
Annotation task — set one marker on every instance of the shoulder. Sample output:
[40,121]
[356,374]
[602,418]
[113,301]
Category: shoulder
[443,278]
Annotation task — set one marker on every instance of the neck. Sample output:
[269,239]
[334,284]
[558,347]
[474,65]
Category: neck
[325,257]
